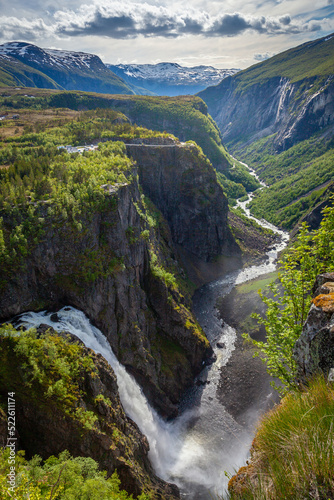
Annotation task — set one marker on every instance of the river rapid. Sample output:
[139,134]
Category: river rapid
[195,449]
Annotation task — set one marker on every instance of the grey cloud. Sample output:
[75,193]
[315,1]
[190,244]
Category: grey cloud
[130,20]
[22,29]
[262,57]
[118,26]
[229,25]
[285,20]
[124,20]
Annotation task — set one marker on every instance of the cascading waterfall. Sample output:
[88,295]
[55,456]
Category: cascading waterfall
[163,437]
[185,456]
[194,450]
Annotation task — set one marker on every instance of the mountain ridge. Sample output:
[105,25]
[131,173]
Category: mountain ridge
[67,70]
[170,79]
[278,95]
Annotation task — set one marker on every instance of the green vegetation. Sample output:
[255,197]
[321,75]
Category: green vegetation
[249,222]
[42,74]
[286,313]
[60,478]
[257,284]
[42,184]
[292,455]
[60,187]
[51,369]
[14,73]
[311,62]
[185,117]
[233,190]
[300,175]
[161,273]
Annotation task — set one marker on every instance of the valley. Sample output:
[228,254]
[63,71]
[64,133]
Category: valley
[132,248]
[288,138]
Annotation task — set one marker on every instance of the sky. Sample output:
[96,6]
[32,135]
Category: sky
[224,34]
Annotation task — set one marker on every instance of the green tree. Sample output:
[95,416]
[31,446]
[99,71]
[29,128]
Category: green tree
[287,308]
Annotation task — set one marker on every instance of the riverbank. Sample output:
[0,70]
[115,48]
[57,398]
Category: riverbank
[244,384]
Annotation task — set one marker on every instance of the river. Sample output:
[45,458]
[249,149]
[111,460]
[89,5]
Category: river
[195,449]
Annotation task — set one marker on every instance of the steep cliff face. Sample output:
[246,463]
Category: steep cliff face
[182,184]
[121,267]
[46,427]
[274,106]
[290,95]
[314,350]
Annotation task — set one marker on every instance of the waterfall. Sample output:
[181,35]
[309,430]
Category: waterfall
[188,451]
[196,448]
[164,438]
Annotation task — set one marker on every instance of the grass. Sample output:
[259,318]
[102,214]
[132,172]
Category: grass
[292,456]
[257,284]
[308,61]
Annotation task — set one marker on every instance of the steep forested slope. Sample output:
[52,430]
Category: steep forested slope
[186,117]
[279,117]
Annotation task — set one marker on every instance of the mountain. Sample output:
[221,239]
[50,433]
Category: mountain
[279,117]
[25,64]
[290,94]
[170,78]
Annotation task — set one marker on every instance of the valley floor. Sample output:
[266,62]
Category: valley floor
[244,387]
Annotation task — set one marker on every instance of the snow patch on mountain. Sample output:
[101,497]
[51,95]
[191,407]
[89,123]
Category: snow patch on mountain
[173,73]
[64,59]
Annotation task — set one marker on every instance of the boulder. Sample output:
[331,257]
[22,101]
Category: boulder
[314,350]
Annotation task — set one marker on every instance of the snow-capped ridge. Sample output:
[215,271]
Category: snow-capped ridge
[168,78]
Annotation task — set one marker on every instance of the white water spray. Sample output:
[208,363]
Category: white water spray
[163,439]
[187,451]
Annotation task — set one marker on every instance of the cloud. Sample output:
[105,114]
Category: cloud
[125,20]
[23,29]
[263,57]
[129,20]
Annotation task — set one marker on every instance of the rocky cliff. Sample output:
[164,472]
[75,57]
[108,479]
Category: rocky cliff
[121,267]
[314,350]
[275,106]
[290,95]
[47,426]
[179,179]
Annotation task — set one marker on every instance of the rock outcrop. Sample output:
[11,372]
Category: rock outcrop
[314,350]
[182,184]
[274,106]
[284,95]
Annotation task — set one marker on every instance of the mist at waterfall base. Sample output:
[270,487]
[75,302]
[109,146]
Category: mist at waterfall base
[191,450]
